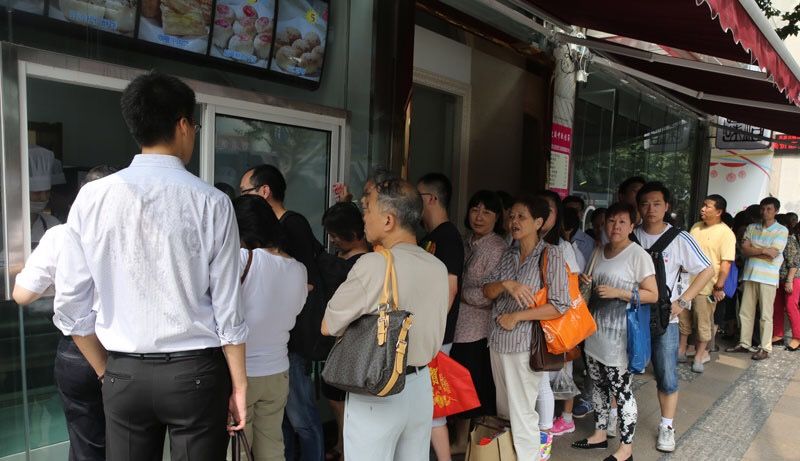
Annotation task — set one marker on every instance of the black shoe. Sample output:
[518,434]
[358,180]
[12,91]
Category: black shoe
[584,444]
[614,458]
[778,342]
[761,355]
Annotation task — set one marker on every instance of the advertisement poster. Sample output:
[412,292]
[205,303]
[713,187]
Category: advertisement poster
[560,150]
[243,31]
[182,24]
[116,16]
[302,26]
[742,177]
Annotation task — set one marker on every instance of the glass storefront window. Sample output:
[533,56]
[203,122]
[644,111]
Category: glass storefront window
[622,130]
[301,154]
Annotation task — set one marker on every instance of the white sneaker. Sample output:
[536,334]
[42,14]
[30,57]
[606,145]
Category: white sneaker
[613,425]
[666,439]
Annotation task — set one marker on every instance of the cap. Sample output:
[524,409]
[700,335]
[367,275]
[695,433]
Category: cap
[44,169]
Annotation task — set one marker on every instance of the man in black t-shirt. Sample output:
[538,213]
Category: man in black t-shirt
[301,414]
[444,242]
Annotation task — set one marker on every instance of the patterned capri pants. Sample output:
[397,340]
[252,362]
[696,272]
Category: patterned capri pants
[616,382]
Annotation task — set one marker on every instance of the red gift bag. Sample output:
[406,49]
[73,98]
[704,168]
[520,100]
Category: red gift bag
[453,390]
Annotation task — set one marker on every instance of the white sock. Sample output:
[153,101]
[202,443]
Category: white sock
[666,422]
[612,412]
[567,417]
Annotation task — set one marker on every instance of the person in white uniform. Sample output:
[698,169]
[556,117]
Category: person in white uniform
[44,171]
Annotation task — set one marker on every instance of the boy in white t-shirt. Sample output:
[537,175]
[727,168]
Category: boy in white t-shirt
[682,254]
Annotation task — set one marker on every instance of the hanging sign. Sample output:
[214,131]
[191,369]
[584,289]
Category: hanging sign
[560,149]
[741,136]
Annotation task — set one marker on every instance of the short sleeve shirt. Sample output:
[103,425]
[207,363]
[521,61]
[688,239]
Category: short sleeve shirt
[760,270]
[446,244]
[683,254]
[624,271]
[718,243]
[40,268]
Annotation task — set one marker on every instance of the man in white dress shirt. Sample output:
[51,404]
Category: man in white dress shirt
[160,249]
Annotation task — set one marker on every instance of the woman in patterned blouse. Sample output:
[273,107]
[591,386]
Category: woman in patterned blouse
[483,248]
[512,285]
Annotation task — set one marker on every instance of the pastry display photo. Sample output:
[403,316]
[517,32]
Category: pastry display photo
[243,30]
[300,34]
[117,16]
[183,24]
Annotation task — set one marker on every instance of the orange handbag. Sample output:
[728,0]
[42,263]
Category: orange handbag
[453,389]
[564,333]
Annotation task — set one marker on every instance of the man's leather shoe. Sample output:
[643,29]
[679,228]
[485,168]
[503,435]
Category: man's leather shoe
[761,355]
[738,348]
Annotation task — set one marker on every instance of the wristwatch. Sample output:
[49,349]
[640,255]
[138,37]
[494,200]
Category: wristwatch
[684,303]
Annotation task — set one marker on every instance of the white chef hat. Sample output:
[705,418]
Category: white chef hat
[41,167]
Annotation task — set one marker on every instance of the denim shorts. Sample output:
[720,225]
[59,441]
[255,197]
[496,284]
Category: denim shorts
[665,360]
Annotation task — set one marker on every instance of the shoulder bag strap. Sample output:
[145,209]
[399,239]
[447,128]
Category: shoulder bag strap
[593,260]
[663,242]
[246,266]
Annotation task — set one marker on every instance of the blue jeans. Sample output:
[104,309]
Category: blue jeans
[301,415]
[665,360]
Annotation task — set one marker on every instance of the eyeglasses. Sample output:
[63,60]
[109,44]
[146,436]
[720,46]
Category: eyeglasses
[252,189]
[197,127]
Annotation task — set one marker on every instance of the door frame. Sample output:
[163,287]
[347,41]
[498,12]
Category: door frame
[459,171]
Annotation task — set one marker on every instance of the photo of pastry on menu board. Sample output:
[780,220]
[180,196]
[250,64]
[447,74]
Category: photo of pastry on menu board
[116,16]
[301,30]
[243,30]
[183,24]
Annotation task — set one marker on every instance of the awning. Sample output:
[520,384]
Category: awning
[733,30]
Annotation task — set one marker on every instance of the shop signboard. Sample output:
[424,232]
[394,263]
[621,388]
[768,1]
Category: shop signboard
[300,39]
[671,138]
[786,144]
[741,136]
[560,149]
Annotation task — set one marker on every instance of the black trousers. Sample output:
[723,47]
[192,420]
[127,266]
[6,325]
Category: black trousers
[83,403]
[186,397]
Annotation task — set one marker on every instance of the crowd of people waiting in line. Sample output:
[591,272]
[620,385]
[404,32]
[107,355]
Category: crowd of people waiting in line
[160,281]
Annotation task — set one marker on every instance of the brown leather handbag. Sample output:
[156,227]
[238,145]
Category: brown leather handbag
[239,446]
[541,358]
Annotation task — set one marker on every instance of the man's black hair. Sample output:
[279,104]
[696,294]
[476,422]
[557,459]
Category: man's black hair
[771,201]
[572,222]
[574,199]
[441,187]
[269,175]
[719,202]
[654,186]
[152,104]
[727,218]
[623,188]
[344,219]
[258,225]
[491,201]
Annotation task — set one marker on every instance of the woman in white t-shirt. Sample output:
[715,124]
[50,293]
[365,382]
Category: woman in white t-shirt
[621,268]
[273,291]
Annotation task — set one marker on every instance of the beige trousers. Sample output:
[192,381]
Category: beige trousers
[754,294]
[266,399]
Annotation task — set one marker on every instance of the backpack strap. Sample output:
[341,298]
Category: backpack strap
[663,242]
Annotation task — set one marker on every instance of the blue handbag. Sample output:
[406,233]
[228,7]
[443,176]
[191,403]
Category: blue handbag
[732,282]
[638,317]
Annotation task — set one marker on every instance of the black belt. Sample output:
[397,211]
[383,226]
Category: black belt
[411,369]
[166,356]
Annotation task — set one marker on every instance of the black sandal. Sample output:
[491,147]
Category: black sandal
[584,444]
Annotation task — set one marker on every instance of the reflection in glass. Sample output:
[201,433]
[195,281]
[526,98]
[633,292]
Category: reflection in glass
[302,155]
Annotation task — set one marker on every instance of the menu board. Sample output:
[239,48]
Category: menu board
[30,6]
[242,31]
[182,24]
[116,16]
[301,31]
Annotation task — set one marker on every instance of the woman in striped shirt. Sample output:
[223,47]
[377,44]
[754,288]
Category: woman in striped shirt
[512,285]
